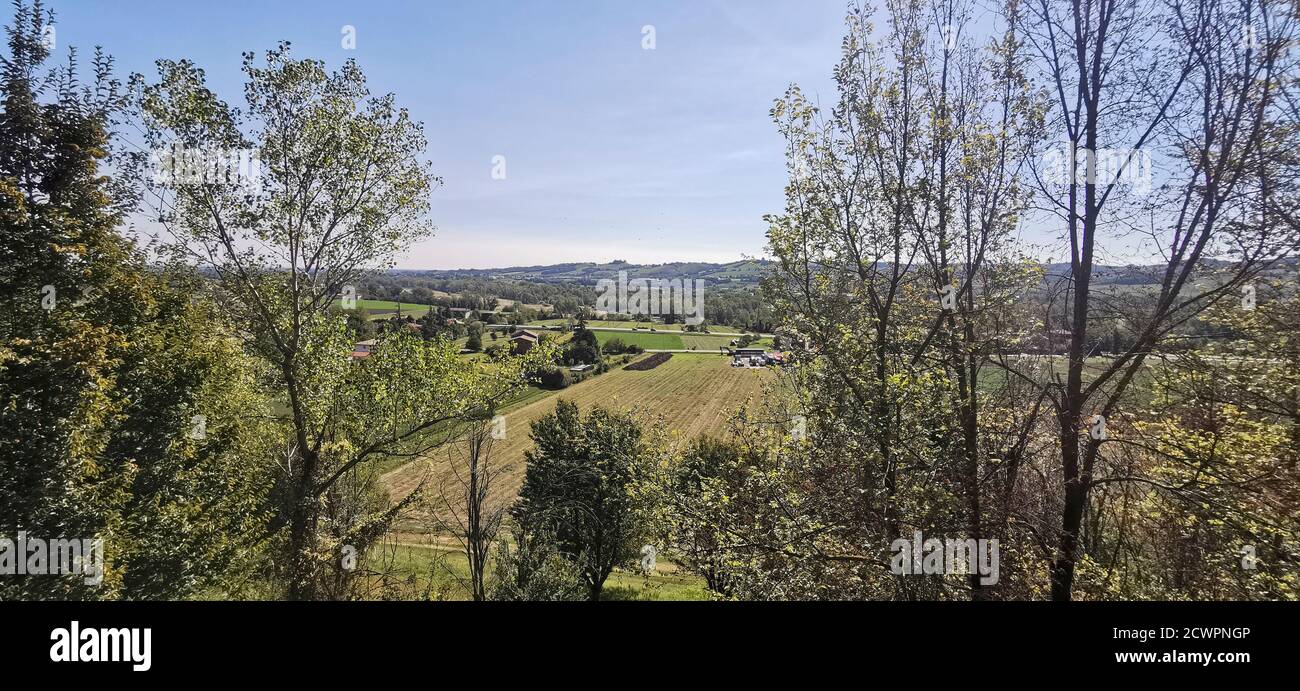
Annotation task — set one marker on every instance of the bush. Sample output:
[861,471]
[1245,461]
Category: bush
[534,571]
[554,378]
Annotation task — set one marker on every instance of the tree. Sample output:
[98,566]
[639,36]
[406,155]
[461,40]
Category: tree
[1180,84]
[912,312]
[614,346]
[340,191]
[583,348]
[577,487]
[703,489]
[125,413]
[469,510]
[896,270]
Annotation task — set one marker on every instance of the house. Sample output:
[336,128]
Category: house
[362,349]
[522,342]
[748,357]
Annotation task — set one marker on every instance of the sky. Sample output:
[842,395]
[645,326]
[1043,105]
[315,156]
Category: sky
[611,150]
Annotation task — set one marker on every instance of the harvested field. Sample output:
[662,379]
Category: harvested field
[692,394]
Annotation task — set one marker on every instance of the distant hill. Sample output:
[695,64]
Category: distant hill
[731,274]
[747,273]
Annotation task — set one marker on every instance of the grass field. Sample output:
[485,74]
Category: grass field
[448,569]
[390,306]
[693,394]
[600,323]
[668,341]
[707,342]
[649,341]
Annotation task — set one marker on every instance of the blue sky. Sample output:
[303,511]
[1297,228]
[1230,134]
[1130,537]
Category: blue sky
[612,151]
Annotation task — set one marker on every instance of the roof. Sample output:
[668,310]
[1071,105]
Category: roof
[526,335]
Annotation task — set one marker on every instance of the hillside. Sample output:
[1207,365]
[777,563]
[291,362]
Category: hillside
[739,273]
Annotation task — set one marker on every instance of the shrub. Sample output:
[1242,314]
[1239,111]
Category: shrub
[554,378]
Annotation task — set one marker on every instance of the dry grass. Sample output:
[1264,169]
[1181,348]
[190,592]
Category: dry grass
[691,394]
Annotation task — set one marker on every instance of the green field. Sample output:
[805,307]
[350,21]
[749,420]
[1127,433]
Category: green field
[671,341]
[386,306]
[649,341]
[444,571]
[600,323]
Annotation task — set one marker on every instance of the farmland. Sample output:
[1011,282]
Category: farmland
[649,341]
[386,307]
[692,394]
[602,324]
[666,341]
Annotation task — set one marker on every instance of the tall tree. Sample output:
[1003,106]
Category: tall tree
[1190,88]
[330,184]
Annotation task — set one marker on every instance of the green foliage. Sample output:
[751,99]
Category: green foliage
[343,189]
[583,348]
[125,412]
[578,487]
[534,570]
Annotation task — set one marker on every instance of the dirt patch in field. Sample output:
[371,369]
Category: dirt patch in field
[650,362]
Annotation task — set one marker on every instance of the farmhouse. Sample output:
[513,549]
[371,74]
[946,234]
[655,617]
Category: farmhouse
[362,349]
[522,342]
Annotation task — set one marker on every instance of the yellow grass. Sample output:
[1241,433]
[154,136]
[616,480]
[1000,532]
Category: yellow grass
[692,394]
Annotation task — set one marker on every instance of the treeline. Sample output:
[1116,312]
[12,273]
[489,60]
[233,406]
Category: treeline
[742,308]
[473,292]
